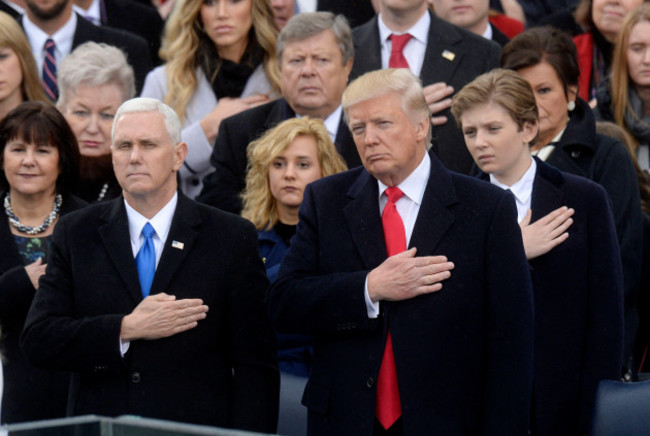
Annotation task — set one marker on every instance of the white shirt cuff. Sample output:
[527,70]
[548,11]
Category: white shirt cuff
[371,308]
[124,347]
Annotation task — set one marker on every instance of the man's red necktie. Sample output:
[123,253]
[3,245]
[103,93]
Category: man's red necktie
[397,59]
[389,407]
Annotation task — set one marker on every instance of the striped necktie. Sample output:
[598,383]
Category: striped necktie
[49,71]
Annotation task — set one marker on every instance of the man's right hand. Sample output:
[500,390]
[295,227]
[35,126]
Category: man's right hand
[405,276]
[161,315]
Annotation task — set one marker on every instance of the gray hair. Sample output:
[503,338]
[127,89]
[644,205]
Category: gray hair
[143,104]
[381,82]
[94,64]
[307,24]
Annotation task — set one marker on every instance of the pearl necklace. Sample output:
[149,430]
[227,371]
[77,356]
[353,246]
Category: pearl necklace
[102,193]
[14,221]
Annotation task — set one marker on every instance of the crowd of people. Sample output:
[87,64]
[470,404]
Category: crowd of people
[320,217]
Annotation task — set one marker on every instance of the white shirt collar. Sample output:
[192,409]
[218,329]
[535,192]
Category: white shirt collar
[15,7]
[419,31]
[62,38]
[488,32]
[161,222]
[522,189]
[92,14]
[332,122]
[414,185]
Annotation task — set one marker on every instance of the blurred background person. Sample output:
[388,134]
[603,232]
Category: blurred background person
[578,286]
[625,99]
[545,57]
[40,161]
[281,164]
[18,75]
[220,61]
[94,80]
[601,21]
[282,11]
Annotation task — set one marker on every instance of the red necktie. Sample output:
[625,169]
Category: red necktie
[389,407]
[397,59]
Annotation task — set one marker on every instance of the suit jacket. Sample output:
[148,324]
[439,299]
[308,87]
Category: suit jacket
[498,36]
[135,47]
[583,152]
[4,7]
[203,101]
[472,55]
[222,372]
[136,18]
[29,394]
[222,187]
[578,291]
[463,355]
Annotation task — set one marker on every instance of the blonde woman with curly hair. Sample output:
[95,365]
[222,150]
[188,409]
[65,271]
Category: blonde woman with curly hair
[220,60]
[281,164]
[19,72]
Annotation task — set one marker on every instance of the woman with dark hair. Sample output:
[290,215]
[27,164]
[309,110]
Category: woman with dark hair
[570,242]
[545,58]
[220,60]
[40,161]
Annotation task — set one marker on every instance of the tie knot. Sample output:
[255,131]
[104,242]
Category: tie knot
[148,231]
[394,194]
[49,44]
[399,41]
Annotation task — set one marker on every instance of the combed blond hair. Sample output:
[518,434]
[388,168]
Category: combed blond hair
[13,37]
[381,82]
[620,74]
[182,40]
[259,204]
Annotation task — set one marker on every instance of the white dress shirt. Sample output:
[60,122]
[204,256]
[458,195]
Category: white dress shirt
[408,207]
[332,122]
[92,14]
[161,223]
[62,38]
[544,152]
[413,50]
[522,190]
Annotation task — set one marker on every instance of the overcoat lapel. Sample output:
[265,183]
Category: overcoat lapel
[181,238]
[115,235]
[364,221]
[547,196]
[434,217]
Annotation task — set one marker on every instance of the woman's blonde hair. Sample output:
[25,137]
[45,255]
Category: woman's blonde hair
[183,37]
[620,75]
[259,204]
[13,37]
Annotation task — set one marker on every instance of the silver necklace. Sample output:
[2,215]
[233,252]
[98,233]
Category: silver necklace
[14,221]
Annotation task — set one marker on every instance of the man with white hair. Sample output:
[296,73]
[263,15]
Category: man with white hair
[124,301]
[434,339]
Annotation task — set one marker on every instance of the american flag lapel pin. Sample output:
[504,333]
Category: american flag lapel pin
[178,245]
[448,55]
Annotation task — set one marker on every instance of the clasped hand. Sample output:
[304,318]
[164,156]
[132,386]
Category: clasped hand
[161,315]
[405,276]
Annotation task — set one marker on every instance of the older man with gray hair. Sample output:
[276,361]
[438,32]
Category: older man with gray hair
[315,53]
[407,275]
[124,301]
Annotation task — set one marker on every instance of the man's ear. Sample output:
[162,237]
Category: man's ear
[180,153]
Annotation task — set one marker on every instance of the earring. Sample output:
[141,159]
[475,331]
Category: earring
[571,105]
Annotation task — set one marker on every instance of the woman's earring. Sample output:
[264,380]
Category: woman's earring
[571,105]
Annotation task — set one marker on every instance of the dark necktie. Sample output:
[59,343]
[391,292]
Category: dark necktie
[146,260]
[49,71]
[397,59]
[389,407]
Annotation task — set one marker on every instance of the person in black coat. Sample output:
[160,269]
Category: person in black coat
[137,333]
[570,242]
[312,91]
[451,57]
[34,139]
[545,57]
